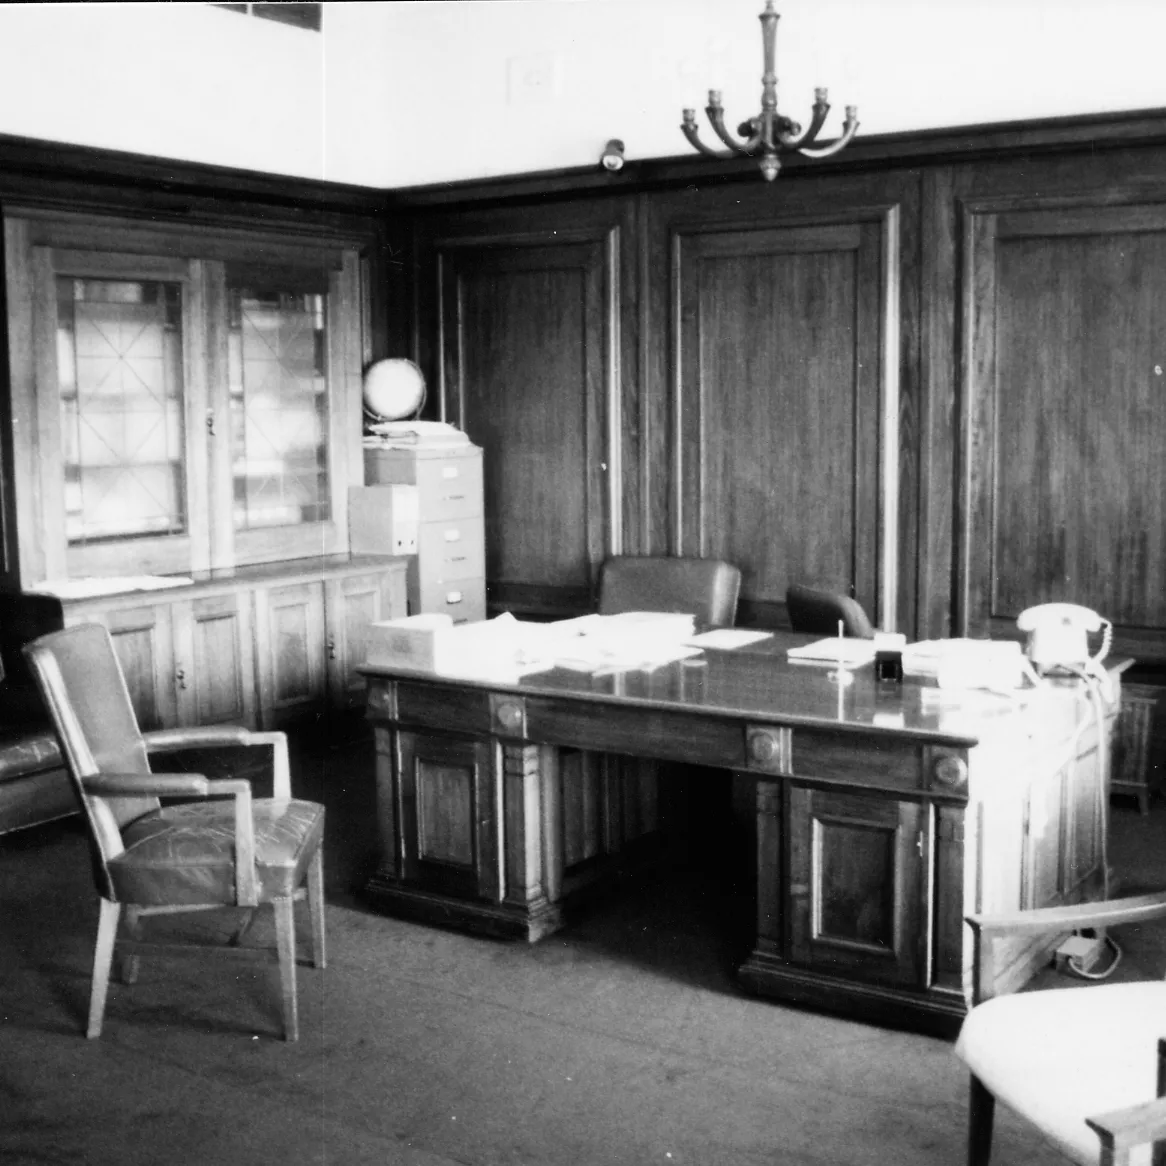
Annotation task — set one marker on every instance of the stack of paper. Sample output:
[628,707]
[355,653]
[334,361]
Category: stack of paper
[845,652]
[629,641]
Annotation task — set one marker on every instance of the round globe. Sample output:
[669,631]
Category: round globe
[393,389]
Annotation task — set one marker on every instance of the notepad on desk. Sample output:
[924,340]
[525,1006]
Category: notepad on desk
[847,651]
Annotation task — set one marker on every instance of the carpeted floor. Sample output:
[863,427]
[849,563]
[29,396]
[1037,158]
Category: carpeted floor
[622,1040]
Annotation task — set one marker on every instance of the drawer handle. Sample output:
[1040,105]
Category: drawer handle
[454,597]
[454,498]
[458,558]
[452,536]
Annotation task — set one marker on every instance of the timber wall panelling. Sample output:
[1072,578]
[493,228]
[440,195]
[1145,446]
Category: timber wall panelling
[1062,385]
[924,371]
[528,331]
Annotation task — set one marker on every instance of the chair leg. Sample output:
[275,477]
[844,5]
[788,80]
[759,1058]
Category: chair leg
[981,1111]
[316,908]
[130,964]
[285,939]
[240,932]
[102,962]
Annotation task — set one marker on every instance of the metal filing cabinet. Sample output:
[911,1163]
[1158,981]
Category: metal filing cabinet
[449,571]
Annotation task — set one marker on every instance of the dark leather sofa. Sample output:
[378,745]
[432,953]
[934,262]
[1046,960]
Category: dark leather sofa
[34,786]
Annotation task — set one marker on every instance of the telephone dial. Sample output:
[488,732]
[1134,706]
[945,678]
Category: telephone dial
[1058,638]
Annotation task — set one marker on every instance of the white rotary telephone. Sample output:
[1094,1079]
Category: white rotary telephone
[1057,638]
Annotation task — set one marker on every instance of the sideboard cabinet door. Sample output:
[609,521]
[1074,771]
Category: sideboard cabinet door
[143,639]
[352,604]
[289,649]
[214,672]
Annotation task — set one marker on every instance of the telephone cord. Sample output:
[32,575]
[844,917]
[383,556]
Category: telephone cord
[1094,685]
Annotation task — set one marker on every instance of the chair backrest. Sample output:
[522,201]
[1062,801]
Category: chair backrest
[819,612]
[85,692]
[707,588]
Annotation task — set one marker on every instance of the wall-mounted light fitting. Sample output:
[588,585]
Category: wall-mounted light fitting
[769,134]
[612,156]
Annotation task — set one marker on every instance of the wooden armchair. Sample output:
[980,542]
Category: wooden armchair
[1085,1065]
[224,849]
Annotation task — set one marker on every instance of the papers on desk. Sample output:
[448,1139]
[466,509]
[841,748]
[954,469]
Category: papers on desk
[633,641]
[727,639]
[844,652]
[505,649]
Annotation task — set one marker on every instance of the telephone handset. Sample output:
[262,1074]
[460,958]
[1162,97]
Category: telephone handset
[1057,637]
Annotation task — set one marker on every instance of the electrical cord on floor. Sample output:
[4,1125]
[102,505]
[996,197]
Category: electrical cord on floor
[1094,684]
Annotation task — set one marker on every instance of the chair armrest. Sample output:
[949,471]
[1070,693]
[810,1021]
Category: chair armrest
[1108,913]
[147,785]
[195,737]
[215,736]
[1123,1129]
[246,878]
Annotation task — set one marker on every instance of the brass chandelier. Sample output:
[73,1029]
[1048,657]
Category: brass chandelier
[769,134]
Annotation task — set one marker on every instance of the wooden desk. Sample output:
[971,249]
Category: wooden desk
[880,816]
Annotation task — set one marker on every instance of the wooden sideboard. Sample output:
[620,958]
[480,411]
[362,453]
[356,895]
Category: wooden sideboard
[255,645]
[882,816]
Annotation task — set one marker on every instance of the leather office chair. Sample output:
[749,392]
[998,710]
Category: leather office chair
[708,588]
[819,612]
[193,855]
[1086,1066]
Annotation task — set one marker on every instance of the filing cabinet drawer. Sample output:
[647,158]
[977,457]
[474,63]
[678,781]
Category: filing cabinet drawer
[448,485]
[450,488]
[463,599]
[452,549]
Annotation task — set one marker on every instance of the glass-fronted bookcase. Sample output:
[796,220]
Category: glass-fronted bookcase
[186,403]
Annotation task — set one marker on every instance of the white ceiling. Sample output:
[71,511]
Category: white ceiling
[399,94]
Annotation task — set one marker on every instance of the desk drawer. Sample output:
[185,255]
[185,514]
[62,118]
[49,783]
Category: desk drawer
[453,549]
[886,762]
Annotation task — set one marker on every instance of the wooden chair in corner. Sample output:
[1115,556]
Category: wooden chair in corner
[706,588]
[216,848]
[1085,1065]
[820,612]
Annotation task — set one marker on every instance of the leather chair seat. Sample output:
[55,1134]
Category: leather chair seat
[186,853]
[23,753]
[1075,1053]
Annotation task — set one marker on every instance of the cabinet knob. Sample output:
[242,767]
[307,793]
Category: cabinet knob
[951,772]
[180,677]
[331,647]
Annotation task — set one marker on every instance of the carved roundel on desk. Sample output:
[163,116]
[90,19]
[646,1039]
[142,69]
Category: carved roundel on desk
[950,772]
[768,748]
[509,716]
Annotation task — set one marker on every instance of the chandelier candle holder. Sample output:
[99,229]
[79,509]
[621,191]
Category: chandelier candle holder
[769,134]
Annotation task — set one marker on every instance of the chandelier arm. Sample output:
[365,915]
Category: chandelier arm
[797,141]
[716,116]
[690,132]
[849,128]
